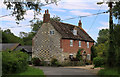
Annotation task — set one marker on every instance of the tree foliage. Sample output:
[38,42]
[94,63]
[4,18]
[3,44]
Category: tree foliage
[9,37]
[78,55]
[103,36]
[19,9]
[116,41]
[14,62]
[102,46]
[116,10]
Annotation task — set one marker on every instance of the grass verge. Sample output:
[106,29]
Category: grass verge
[30,72]
[109,73]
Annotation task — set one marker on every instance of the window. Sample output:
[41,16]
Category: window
[71,43]
[79,43]
[87,44]
[75,32]
[71,56]
[88,57]
[51,32]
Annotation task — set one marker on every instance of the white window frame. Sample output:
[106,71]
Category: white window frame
[87,44]
[75,32]
[88,57]
[79,43]
[71,55]
[52,32]
[71,43]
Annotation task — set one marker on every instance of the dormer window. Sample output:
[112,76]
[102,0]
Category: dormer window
[75,32]
[51,32]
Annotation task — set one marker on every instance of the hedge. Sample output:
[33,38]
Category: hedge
[14,62]
[98,61]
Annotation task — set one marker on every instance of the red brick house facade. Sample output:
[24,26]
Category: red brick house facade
[59,40]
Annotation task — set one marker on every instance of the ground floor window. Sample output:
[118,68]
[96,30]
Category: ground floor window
[88,57]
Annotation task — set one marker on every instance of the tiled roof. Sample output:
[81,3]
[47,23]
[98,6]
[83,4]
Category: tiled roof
[66,31]
[27,48]
[5,46]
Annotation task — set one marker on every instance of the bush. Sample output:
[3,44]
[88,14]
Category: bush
[54,62]
[98,61]
[78,55]
[36,61]
[14,62]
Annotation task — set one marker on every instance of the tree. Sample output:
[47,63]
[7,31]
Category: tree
[116,41]
[78,55]
[23,34]
[101,49]
[36,26]
[28,40]
[116,10]
[56,18]
[93,53]
[103,36]
[19,9]
[9,37]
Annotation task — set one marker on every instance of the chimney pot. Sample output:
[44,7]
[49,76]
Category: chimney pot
[46,17]
[80,23]
[47,11]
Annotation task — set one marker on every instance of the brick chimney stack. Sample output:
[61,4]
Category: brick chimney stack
[46,17]
[80,23]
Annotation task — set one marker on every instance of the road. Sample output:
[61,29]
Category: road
[66,72]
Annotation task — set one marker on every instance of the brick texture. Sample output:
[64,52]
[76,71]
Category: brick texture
[65,45]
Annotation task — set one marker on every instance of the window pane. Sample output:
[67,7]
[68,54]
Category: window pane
[51,32]
[87,44]
[79,43]
[71,42]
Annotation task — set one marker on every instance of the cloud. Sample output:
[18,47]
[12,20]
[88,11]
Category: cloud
[80,0]
[105,25]
[79,13]
[75,5]
[59,10]
[1,4]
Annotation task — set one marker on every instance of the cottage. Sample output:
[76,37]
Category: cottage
[60,40]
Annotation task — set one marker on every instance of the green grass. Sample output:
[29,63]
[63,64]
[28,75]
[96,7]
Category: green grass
[109,73]
[32,71]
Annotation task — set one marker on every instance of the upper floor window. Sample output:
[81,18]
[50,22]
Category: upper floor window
[75,32]
[79,43]
[87,44]
[51,32]
[71,43]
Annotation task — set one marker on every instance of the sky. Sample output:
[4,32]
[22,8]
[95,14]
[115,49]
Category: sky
[64,9]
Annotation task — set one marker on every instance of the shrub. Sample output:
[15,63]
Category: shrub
[14,62]
[78,55]
[36,61]
[98,61]
[54,62]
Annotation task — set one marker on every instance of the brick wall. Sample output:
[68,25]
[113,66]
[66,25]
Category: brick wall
[65,45]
